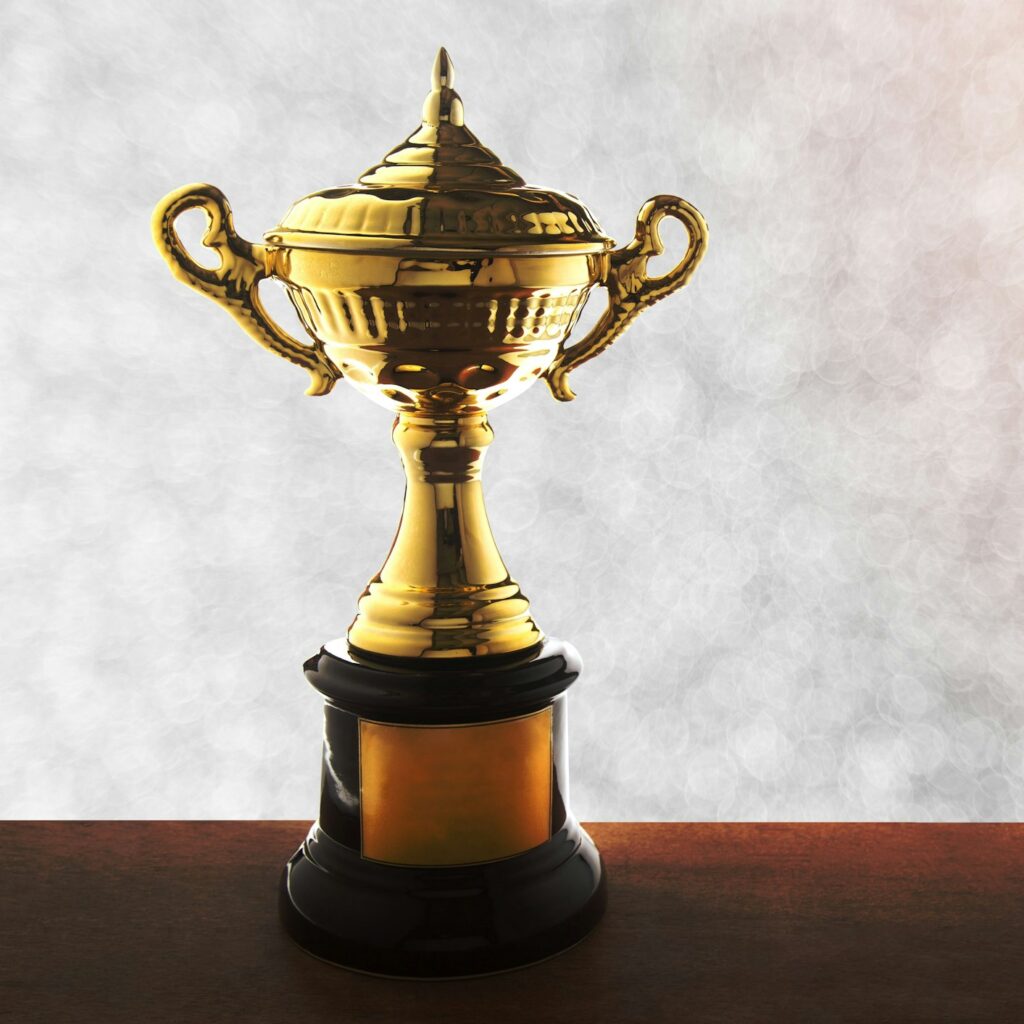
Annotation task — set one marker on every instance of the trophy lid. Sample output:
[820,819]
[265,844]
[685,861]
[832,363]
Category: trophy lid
[441,190]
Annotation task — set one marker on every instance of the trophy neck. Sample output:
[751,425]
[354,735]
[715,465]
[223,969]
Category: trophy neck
[444,591]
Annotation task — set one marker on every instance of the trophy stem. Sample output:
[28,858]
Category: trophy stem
[444,591]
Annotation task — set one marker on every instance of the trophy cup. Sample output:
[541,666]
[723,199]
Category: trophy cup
[441,285]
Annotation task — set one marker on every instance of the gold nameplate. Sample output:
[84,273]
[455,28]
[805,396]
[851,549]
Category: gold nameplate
[455,794]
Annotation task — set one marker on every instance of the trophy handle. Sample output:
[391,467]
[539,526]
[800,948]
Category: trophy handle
[630,290]
[233,284]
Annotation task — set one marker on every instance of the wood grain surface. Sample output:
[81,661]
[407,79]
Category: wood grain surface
[177,921]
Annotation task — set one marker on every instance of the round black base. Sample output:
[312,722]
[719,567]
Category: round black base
[442,922]
[446,920]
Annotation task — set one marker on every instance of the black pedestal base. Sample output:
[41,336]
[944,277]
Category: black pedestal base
[442,922]
[354,900]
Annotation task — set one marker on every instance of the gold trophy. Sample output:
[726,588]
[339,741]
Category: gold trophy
[441,285]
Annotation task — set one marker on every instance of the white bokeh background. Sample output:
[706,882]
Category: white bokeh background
[782,522]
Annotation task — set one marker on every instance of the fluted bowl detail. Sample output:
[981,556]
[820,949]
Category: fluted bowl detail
[447,334]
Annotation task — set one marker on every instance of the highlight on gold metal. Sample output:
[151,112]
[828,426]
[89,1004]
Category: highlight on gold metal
[441,286]
[446,795]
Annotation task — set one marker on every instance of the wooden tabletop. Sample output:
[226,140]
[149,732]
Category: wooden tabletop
[177,921]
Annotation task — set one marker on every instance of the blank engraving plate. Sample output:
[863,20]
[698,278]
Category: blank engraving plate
[455,794]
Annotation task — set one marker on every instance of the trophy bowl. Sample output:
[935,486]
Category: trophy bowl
[440,285]
[447,333]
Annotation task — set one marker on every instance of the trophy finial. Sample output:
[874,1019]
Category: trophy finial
[443,104]
[444,70]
